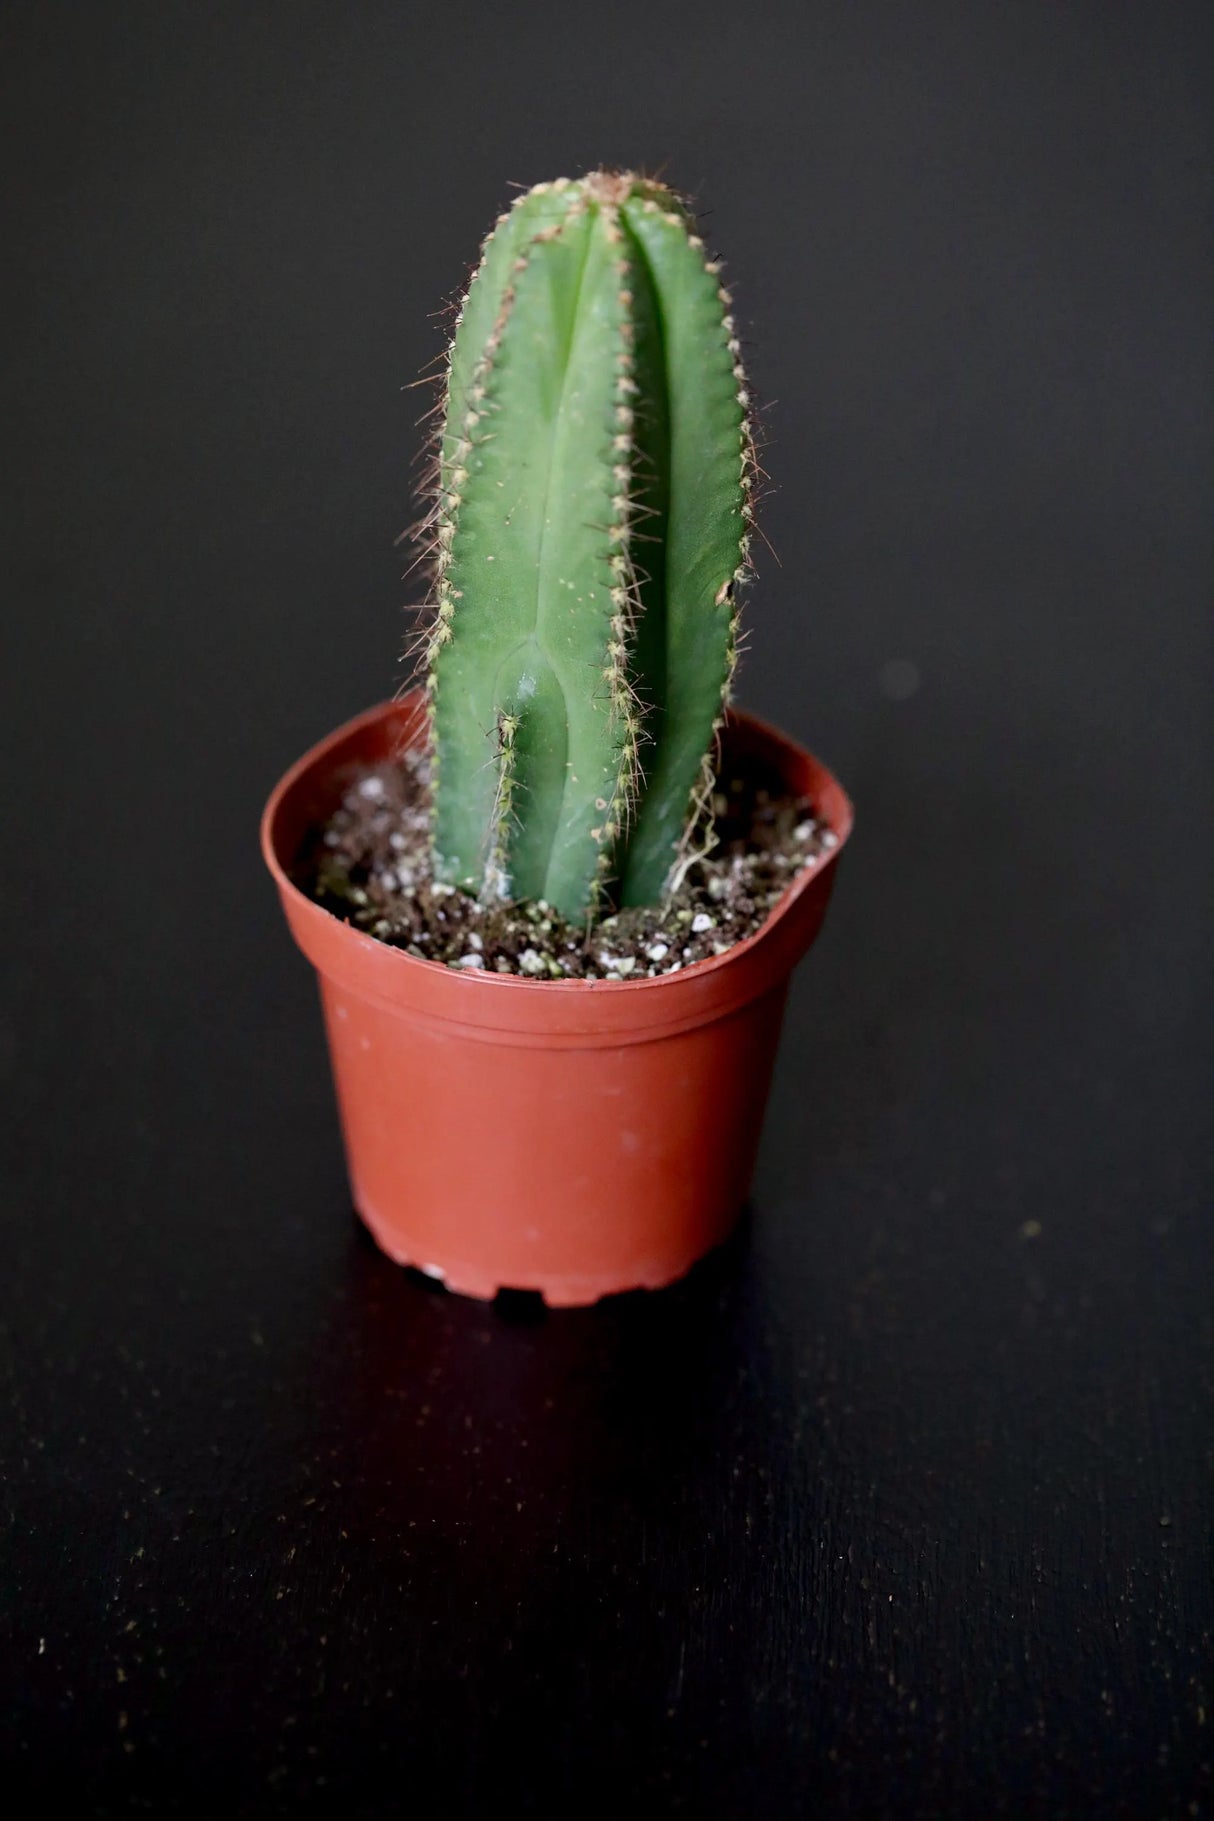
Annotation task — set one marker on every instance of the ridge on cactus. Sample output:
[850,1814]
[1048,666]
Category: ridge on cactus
[590,525]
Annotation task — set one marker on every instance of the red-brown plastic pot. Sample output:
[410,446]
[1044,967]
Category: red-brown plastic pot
[572,1137]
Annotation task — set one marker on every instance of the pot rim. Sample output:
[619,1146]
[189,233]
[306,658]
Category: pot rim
[840,824]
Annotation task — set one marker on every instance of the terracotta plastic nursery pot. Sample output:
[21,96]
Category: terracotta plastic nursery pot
[572,1137]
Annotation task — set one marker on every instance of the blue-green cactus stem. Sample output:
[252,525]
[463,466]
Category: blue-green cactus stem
[590,523]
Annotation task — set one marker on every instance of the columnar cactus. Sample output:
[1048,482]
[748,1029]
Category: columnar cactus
[590,525]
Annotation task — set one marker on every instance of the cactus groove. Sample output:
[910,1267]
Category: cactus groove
[590,525]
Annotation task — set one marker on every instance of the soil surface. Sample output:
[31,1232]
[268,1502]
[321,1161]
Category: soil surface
[371,866]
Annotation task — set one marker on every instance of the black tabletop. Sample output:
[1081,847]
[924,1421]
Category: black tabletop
[900,1505]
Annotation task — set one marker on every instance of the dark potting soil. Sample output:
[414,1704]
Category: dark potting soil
[371,866]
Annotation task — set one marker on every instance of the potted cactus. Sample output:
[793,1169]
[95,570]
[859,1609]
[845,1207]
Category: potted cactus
[589,528]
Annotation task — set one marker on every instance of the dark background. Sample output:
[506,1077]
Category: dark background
[901,1506]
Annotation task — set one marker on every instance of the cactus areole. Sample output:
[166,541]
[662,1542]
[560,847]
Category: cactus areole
[589,527]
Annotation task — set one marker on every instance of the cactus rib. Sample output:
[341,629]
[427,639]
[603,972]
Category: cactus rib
[705,540]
